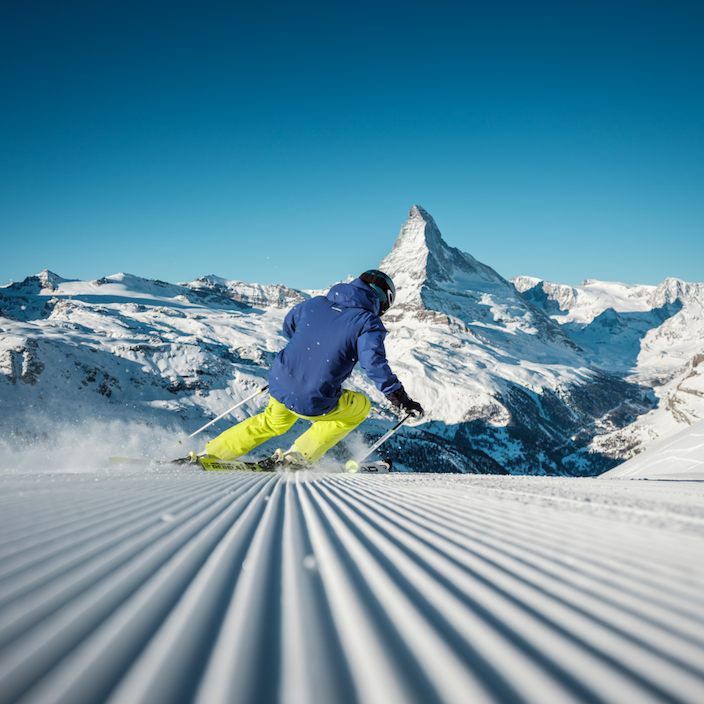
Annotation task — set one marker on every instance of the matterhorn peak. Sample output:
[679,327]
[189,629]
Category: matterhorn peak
[418,213]
[419,234]
[421,261]
[439,285]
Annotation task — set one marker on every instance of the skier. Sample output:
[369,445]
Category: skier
[327,336]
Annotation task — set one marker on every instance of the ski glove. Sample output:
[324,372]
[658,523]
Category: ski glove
[402,400]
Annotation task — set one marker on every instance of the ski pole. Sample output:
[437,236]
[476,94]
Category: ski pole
[222,415]
[353,465]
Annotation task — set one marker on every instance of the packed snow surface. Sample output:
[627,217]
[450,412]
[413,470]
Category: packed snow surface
[163,585]
[677,457]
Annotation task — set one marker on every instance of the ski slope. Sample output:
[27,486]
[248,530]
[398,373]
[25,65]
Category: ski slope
[179,586]
[678,457]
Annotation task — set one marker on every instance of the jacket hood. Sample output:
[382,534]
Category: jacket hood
[355,294]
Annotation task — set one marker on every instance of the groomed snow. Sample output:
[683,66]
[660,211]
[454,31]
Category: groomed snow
[677,457]
[177,586]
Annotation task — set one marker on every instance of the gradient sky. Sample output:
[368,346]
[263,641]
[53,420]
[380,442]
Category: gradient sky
[272,141]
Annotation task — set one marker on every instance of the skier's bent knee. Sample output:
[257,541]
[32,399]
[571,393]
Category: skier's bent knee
[276,429]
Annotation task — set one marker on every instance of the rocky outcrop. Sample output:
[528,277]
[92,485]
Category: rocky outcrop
[19,361]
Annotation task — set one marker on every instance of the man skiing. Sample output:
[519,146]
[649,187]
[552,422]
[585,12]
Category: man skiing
[327,335]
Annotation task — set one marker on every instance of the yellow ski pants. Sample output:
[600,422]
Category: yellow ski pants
[327,430]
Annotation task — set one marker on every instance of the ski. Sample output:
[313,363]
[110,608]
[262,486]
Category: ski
[140,461]
[368,467]
[211,464]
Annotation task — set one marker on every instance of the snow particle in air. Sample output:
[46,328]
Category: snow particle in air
[167,517]
[310,563]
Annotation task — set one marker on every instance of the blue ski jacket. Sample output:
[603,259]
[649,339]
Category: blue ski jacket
[327,336]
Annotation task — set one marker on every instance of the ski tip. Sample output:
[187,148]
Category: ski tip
[146,461]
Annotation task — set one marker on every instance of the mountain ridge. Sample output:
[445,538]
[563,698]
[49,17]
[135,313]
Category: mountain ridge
[651,334]
[507,383]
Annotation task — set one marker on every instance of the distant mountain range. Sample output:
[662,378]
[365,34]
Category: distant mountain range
[649,335]
[516,376]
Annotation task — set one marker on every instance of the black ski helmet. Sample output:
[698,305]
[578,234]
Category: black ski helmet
[382,285]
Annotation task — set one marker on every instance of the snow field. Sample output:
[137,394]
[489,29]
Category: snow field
[678,457]
[180,586]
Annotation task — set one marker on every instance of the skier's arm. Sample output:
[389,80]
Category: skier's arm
[372,358]
[289,326]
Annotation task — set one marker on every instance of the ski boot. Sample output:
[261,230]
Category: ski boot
[285,461]
[190,458]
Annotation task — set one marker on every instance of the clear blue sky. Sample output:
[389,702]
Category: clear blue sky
[282,141]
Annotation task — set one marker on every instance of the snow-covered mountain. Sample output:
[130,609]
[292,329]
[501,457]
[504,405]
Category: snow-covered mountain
[652,335]
[680,456]
[510,387]
[515,376]
[131,347]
